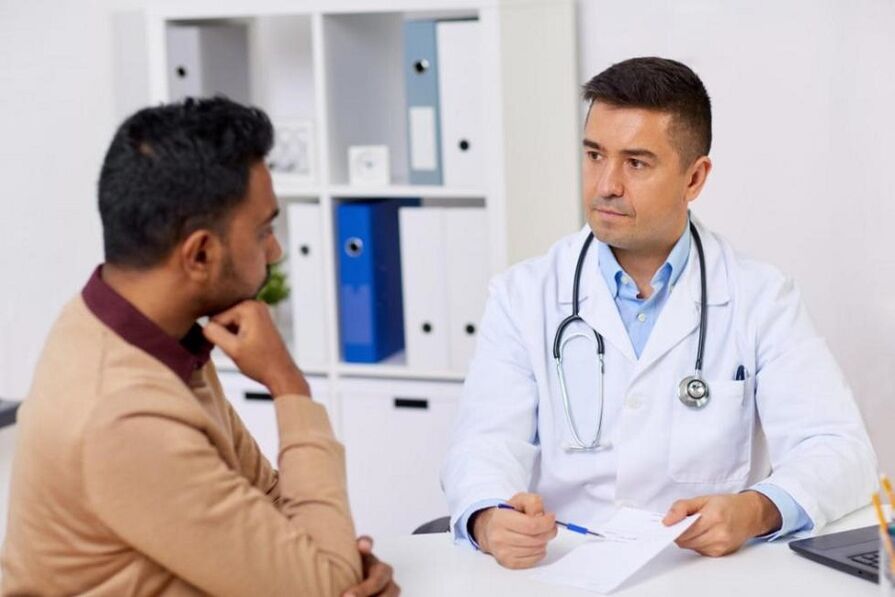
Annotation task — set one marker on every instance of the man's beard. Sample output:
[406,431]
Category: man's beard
[229,294]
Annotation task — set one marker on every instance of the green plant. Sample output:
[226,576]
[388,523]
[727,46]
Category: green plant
[276,289]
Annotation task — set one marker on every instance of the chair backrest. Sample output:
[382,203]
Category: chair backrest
[439,525]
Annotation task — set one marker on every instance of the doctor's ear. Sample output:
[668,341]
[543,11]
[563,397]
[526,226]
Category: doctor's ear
[200,253]
[697,174]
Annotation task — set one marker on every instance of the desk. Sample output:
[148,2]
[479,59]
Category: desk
[431,565]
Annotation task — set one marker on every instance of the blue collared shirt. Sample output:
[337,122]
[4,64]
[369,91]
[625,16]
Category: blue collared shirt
[639,317]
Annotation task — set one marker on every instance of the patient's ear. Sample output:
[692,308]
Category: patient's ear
[200,254]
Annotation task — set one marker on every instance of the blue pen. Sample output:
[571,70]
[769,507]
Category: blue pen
[568,525]
[741,374]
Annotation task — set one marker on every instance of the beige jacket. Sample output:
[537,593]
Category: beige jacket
[134,475]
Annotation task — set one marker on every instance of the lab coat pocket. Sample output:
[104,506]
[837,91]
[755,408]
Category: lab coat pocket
[713,444]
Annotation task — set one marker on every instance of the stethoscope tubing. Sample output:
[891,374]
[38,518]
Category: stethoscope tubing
[689,400]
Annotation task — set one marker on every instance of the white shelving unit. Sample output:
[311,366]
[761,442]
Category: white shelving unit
[338,64]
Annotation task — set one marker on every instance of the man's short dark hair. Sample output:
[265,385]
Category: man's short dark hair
[174,169]
[663,85]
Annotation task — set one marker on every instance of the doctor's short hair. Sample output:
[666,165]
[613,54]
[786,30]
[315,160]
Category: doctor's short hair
[173,169]
[663,85]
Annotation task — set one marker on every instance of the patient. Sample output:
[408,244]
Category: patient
[133,474]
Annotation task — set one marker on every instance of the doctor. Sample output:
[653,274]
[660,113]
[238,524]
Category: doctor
[693,380]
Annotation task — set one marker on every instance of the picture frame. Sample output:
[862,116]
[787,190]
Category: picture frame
[292,157]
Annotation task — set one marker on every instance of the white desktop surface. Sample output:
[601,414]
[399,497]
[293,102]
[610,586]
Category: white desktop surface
[431,565]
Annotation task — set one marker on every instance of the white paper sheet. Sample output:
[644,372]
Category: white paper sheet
[633,538]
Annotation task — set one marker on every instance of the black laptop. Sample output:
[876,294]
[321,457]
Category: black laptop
[855,552]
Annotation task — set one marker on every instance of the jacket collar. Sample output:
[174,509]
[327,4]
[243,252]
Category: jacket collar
[182,356]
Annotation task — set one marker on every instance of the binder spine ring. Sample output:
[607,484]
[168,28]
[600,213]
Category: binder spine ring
[354,247]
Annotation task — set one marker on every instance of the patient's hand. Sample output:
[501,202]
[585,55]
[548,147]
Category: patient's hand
[727,521]
[516,538]
[377,575]
[247,333]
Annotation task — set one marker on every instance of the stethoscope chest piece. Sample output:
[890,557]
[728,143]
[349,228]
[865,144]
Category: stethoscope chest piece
[694,392]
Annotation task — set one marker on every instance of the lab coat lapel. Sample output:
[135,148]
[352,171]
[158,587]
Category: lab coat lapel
[678,319]
[680,315]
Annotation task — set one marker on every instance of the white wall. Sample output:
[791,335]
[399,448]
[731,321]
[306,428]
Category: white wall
[803,95]
[66,80]
[56,118]
[57,114]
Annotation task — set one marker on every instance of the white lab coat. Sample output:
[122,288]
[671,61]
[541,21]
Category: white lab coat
[793,422]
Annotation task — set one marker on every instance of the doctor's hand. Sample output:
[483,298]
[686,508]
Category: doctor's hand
[726,521]
[516,538]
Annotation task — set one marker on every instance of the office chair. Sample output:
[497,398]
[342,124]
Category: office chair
[439,525]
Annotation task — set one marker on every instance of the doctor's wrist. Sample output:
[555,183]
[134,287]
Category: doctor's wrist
[477,525]
[767,518]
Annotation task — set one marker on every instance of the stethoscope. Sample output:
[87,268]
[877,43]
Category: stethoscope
[693,390]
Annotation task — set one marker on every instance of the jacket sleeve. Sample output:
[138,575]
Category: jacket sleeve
[254,464]
[493,443]
[818,445]
[156,481]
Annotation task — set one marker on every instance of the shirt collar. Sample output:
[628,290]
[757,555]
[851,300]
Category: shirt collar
[182,356]
[669,273]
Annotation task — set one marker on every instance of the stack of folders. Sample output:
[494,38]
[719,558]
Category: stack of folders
[443,80]
[444,256]
[371,322]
